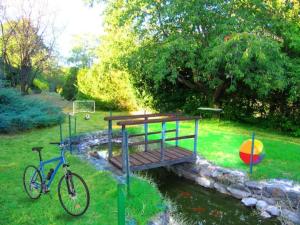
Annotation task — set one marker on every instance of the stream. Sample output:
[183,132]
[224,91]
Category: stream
[202,206]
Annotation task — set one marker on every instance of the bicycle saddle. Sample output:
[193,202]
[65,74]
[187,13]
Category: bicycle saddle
[38,149]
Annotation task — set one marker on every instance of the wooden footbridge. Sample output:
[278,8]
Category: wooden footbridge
[165,155]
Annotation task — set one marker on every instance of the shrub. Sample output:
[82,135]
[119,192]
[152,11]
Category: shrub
[18,113]
[111,90]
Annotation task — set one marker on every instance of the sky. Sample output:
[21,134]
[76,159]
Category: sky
[71,18]
[75,18]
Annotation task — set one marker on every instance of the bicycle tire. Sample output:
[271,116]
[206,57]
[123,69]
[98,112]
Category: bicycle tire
[38,176]
[61,197]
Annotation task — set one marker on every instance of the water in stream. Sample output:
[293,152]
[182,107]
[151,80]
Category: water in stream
[201,206]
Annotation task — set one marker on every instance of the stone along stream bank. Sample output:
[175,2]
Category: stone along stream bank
[204,193]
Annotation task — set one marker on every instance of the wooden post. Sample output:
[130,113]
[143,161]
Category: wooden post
[127,163]
[196,137]
[252,152]
[146,134]
[162,145]
[177,133]
[123,149]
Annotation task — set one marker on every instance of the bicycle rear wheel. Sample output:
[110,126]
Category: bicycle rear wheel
[32,181]
[73,194]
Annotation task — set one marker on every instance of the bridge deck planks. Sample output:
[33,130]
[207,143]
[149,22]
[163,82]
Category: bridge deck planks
[152,159]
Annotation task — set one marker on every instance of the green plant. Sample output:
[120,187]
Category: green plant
[19,113]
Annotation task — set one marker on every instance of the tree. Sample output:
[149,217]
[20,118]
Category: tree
[83,52]
[27,42]
[237,55]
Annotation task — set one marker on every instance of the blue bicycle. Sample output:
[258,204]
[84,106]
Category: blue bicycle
[73,192]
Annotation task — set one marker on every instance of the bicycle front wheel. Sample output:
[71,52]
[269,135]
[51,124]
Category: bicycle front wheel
[73,194]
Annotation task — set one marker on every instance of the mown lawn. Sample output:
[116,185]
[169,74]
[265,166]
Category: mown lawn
[220,143]
[17,208]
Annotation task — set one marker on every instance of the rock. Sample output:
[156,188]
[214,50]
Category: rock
[292,216]
[94,154]
[265,215]
[205,172]
[239,191]
[274,191]
[220,188]
[205,182]
[273,210]
[261,205]
[249,201]
[254,186]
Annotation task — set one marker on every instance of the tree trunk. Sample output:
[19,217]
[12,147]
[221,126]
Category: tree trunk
[24,79]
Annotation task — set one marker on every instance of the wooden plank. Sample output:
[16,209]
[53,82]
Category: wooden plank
[140,158]
[149,133]
[172,155]
[168,119]
[128,117]
[159,140]
[148,156]
[187,153]
[184,150]
[157,154]
[143,142]
[177,154]
[154,155]
[180,137]
[163,163]
[115,162]
[133,161]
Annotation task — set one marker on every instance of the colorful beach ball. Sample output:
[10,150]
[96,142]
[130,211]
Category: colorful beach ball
[245,151]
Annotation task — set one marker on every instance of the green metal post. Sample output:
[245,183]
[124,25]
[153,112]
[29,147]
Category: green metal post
[146,134]
[110,137]
[196,137]
[127,163]
[162,144]
[121,204]
[60,132]
[70,133]
[75,124]
[177,133]
[123,149]
[252,152]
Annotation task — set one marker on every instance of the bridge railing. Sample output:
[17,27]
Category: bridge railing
[140,117]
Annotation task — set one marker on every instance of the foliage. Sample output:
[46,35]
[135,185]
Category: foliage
[18,113]
[111,90]
[83,52]
[70,89]
[26,40]
[242,56]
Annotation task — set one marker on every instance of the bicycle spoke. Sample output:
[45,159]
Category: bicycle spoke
[77,202]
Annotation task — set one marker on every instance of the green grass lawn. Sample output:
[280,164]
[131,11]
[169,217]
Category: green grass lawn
[220,143]
[17,208]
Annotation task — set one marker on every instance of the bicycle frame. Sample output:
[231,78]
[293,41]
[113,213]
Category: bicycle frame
[61,160]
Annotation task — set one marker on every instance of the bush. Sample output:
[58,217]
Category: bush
[18,113]
[111,90]
[70,90]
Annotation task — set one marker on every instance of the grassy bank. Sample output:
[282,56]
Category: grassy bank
[17,208]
